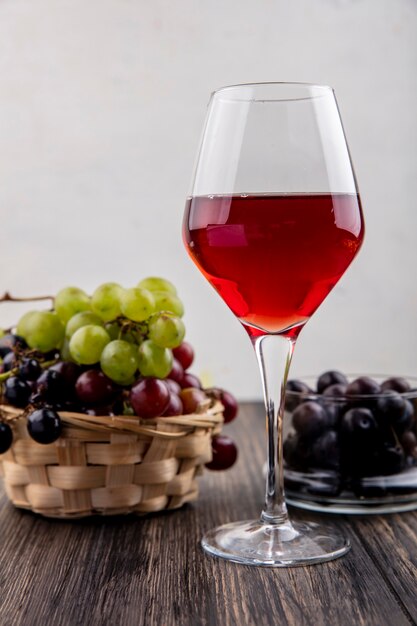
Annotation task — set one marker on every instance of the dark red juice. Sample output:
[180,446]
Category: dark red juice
[273,258]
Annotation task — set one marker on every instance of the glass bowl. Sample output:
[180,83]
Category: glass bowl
[351,446]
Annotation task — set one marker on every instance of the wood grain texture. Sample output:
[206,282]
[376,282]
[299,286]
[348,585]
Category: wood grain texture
[152,571]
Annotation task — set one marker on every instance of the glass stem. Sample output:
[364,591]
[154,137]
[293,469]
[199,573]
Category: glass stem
[274,354]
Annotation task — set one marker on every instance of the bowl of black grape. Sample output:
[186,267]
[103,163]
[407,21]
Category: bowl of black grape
[350,443]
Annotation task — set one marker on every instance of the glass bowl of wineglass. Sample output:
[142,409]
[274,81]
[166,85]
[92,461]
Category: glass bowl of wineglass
[273,221]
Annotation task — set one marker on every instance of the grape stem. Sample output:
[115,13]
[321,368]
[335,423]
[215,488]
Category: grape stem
[7,297]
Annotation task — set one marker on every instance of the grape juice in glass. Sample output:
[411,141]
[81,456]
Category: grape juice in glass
[273,222]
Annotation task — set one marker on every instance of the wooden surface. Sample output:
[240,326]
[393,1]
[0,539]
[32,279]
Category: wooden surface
[152,571]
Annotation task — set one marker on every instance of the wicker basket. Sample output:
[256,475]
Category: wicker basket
[109,465]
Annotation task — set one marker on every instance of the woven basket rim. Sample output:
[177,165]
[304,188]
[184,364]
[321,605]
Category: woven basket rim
[208,417]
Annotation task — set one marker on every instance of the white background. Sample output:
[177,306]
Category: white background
[101,108]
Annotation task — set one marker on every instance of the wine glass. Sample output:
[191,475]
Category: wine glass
[272,222]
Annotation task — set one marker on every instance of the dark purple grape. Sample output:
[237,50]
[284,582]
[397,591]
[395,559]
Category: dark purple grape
[295,392]
[149,397]
[338,390]
[94,387]
[358,425]
[409,443]
[6,437]
[184,354]
[51,386]
[9,361]
[44,425]
[11,342]
[390,407]
[177,372]
[17,391]
[332,377]
[297,452]
[396,383]
[363,386]
[310,419]
[69,371]
[407,419]
[30,369]
[390,460]
[326,451]
[224,453]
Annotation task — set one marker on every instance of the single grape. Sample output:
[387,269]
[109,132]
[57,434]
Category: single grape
[69,371]
[325,450]
[165,301]
[11,343]
[43,331]
[184,353]
[177,372]
[119,361]
[22,326]
[9,361]
[337,390]
[69,301]
[153,360]
[363,386]
[332,377]
[166,330]
[6,437]
[310,419]
[174,407]
[94,387]
[224,453]
[192,399]
[173,386]
[17,391]
[228,401]
[396,383]
[149,398]
[51,386]
[155,283]
[358,426]
[105,301]
[44,425]
[190,380]
[81,319]
[137,304]
[29,369]
[87,344]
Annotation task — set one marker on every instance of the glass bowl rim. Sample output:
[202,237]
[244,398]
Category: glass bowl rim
[314,395]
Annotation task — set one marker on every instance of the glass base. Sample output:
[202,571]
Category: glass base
[288,545]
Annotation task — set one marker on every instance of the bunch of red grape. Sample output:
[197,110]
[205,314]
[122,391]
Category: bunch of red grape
[120,351]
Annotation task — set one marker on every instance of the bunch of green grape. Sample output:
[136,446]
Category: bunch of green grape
[129,332]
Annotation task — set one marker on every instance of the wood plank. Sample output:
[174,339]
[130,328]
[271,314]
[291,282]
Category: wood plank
[152,571]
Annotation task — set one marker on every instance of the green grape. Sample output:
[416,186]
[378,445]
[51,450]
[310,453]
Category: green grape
[166,301]
[137,304]
[166,330]
[154,360]
[70,301]
[119,361]
[24,323]
[81,319]
[87,344]
[105,301]
[42,330]
[155,283]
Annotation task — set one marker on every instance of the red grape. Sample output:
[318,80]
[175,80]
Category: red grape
[175,406]
[184,354]
[189,380]
[191,399]
[172,385]
[228,401]
[94,387]
[149,397]
[177,372]
[224,453]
